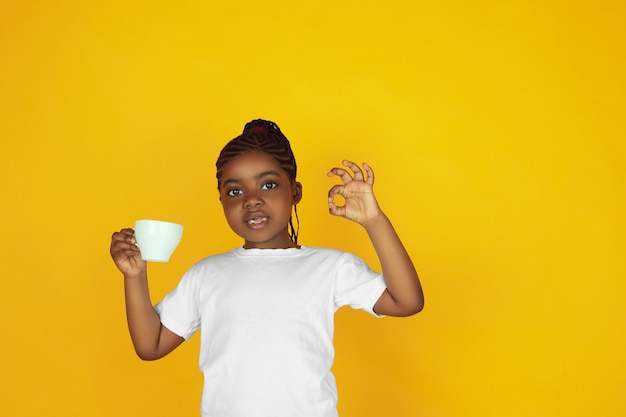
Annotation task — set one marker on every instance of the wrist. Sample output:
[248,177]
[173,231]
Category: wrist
[373,221]
[133,276]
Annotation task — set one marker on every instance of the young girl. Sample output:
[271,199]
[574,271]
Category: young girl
[265,309]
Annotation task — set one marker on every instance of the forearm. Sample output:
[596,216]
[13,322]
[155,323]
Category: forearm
[403,296]
[400,276]
[143,321]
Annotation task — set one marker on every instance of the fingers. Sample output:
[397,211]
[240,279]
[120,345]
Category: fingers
[333,208]
[124,234]
[124,243]
[356,200]
[357,173]
[126,255]
[341,173]
[370,173]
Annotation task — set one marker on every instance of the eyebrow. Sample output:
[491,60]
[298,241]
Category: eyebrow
[257,176]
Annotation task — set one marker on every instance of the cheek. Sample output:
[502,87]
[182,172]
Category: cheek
[229,210]
[233,220]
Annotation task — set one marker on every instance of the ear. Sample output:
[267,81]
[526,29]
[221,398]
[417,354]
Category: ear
[296,193]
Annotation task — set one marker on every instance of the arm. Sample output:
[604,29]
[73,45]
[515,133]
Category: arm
[403,296]
[150,338]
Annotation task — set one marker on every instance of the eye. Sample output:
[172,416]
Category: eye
[269,186]
[234,192]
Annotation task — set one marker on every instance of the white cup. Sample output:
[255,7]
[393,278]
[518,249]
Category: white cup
[157,239]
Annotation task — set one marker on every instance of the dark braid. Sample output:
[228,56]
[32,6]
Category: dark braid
[262,135]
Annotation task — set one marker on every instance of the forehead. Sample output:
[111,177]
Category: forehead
[251,164]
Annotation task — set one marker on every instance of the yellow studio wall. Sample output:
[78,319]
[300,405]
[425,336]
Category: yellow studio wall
[497,134]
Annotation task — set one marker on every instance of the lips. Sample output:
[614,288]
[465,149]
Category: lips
[256,219]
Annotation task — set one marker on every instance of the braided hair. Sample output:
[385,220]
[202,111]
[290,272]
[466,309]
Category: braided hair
[266,136]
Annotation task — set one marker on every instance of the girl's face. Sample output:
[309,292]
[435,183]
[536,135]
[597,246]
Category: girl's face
[257,197]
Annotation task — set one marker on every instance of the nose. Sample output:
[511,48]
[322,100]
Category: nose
[252,201]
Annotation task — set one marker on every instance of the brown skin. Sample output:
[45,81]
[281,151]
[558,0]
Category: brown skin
[254,187]
[403,296]
[150,338]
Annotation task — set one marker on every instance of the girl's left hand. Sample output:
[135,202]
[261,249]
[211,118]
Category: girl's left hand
[357,190]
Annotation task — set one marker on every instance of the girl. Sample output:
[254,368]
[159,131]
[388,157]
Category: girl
[265,309]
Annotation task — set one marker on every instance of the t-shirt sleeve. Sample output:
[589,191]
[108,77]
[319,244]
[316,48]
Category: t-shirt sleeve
[357,285]
[179,310]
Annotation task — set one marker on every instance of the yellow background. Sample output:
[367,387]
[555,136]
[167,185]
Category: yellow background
[497,132]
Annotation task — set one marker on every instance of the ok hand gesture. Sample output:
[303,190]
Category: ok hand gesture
[357,191]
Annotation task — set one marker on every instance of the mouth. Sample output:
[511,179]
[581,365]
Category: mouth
[257,220]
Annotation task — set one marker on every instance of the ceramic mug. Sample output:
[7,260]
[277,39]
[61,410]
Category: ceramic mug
[157,239]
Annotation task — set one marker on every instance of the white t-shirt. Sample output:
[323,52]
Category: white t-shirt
[266,320]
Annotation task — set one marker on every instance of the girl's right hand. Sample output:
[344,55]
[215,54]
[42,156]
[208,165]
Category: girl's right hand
[126,254]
